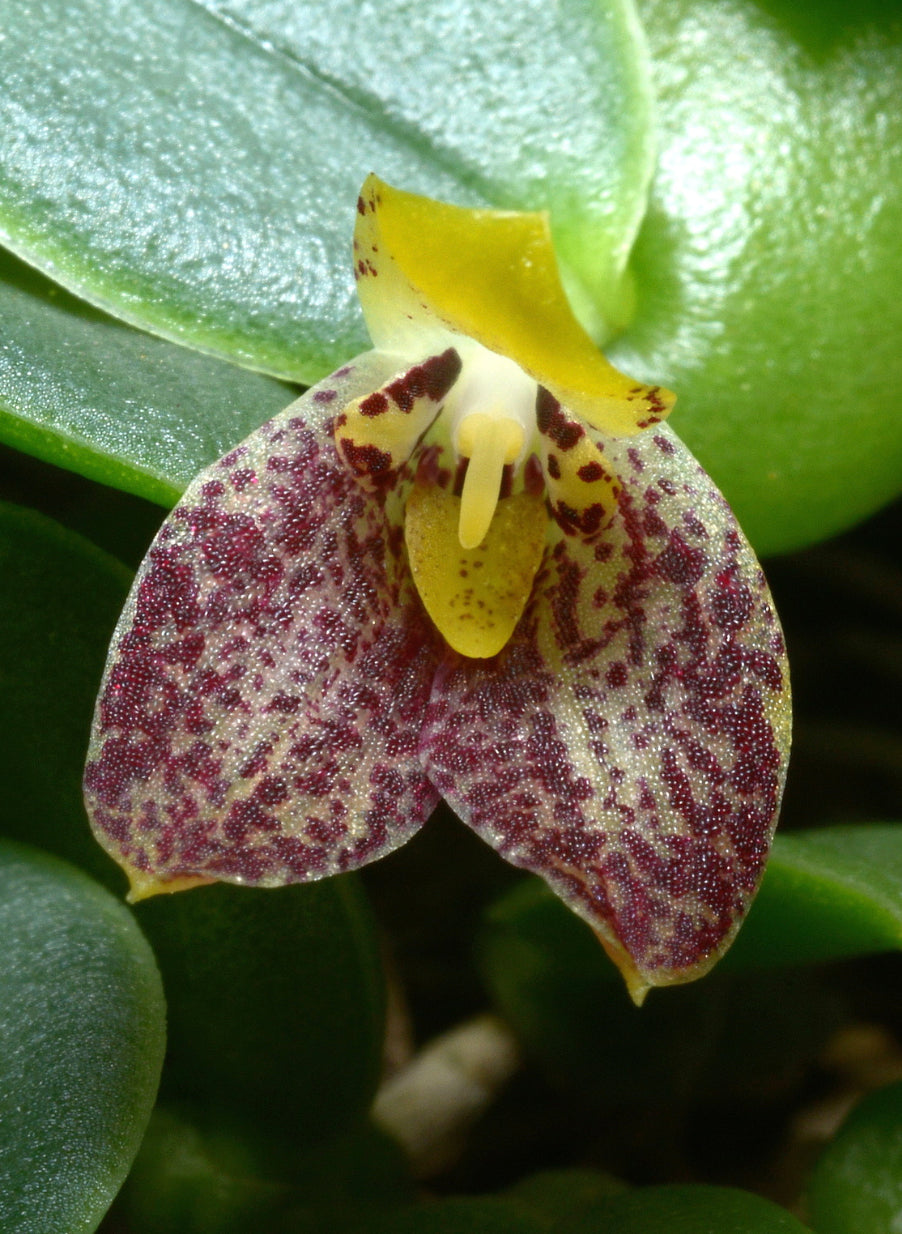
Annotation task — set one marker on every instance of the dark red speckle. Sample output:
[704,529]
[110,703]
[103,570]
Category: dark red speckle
[731,604]
[617,675]
[681,563]
[374,404]
[554,424]
[432,379]
[367,460]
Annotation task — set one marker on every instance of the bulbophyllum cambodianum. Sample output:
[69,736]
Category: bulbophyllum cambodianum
[472,563]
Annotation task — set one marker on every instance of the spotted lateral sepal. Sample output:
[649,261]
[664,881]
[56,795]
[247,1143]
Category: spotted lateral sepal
[260,712]
[630,743]
[377,433]
[581,484]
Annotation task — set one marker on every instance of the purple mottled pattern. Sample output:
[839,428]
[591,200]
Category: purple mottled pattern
[277,705]
[630,742]
[261,710]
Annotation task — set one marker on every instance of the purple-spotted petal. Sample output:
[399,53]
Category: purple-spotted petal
[263,699]
[376,434]
[630,743]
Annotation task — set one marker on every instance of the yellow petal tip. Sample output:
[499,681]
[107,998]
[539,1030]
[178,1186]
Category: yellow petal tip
[637,985]
[144,885]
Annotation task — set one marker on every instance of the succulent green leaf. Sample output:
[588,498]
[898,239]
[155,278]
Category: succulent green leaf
[768,265]
[650,1210]
[275,1001]
[764,274]
[857,1182]
[194,169]
[490,1214]
[688,1210]
[82,1030]
[185,1181]
[59,601]
[558,1197]
[87,392]
[203,1175]
[827,893]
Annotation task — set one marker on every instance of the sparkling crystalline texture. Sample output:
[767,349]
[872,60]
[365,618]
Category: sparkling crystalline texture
[472,563]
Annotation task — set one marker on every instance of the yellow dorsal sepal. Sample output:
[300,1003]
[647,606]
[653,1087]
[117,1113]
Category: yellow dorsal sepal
[490,275]
[475,596]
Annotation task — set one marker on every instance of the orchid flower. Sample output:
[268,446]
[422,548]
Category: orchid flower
[472,563]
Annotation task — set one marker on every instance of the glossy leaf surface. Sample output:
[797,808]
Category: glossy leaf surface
[767,267]
[827,894]
[196,1184]
[587,1209]
[84,391]
[81,1044]
[558,1197]
[857,1183]
[195,169]
[723,1038]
